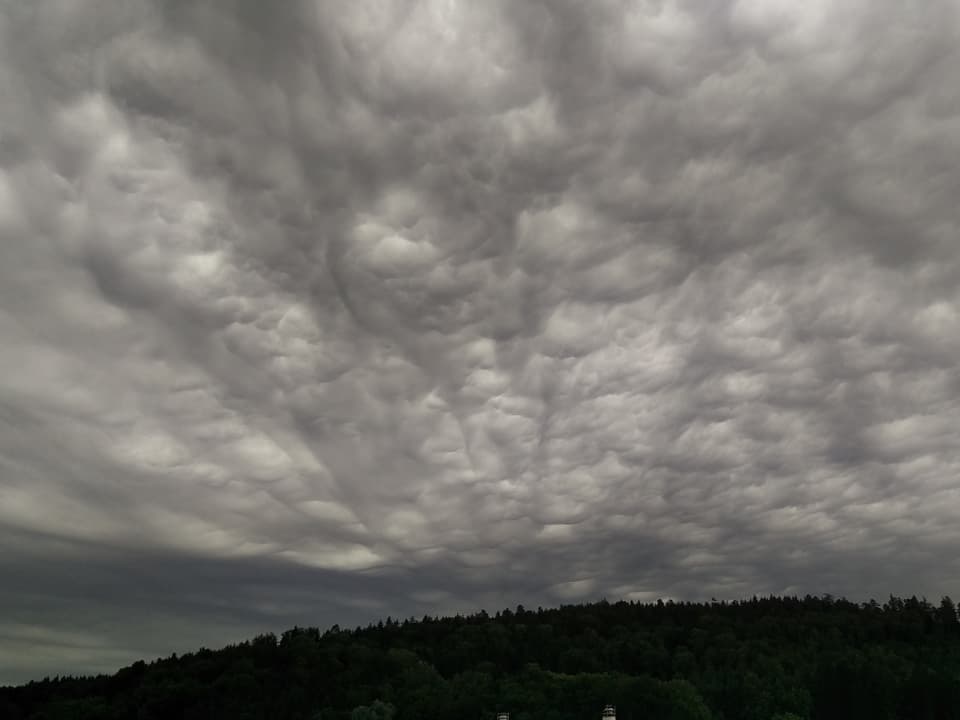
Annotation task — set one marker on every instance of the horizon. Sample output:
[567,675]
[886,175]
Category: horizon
[485,615]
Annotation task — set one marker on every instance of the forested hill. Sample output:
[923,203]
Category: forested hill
[760,659]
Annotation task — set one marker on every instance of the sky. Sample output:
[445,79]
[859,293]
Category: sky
[319,312]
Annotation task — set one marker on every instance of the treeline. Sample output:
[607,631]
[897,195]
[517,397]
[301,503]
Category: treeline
[816,658]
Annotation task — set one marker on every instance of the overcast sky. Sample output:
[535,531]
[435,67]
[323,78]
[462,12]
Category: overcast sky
[318,312]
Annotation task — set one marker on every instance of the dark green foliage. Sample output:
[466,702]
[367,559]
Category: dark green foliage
[763,659]
[377,711]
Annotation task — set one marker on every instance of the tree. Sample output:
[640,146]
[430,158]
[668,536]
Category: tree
[947,614]
[378,710]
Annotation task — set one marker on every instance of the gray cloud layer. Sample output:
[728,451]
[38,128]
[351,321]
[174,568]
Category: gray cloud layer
[317,312]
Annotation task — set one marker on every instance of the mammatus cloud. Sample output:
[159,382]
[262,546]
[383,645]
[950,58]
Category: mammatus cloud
[322,312]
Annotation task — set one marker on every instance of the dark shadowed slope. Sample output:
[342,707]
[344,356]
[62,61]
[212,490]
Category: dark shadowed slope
[763,659]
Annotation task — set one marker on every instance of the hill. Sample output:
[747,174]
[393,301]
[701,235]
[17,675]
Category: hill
[761,659]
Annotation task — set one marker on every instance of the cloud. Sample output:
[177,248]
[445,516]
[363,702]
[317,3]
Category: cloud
[318,315]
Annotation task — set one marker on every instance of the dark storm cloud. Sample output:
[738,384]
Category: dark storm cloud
[319,312]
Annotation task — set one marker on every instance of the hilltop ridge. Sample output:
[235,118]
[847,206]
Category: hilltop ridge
[757,659]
